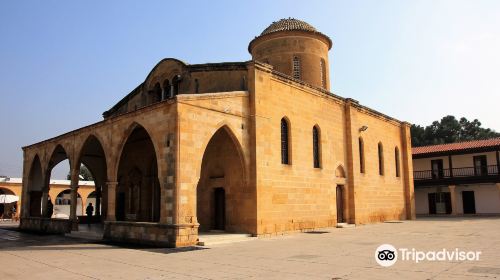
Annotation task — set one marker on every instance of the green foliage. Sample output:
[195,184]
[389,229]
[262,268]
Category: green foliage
[450,130]
[85,174]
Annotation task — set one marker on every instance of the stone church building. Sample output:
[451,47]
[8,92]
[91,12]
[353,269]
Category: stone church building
[260,147]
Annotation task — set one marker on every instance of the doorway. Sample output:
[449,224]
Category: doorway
[480,166]
[439,203]
[219,209]
[437,169]
[469,202]
[340,204]
[120,207]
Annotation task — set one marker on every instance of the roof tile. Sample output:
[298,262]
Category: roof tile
[494,142]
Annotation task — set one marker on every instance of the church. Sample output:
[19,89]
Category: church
[261,147]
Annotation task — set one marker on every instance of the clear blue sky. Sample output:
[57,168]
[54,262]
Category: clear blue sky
[62,63]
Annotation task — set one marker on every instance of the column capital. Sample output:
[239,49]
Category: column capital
[452,187]
[111,183]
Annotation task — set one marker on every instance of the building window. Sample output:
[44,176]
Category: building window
[361,155]
[156,93]
[323,73]
[396,160]
[196,86]
[166,89]
[316,147]
[285,146]
[296,67]
[380,159]
[175,85]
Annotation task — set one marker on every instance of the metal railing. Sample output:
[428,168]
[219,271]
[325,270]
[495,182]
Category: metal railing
[479,171]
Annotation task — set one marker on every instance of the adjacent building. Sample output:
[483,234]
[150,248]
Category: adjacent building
[260,147]
[458,178]
[58,196]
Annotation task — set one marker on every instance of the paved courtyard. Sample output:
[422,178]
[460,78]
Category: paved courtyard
[330,254]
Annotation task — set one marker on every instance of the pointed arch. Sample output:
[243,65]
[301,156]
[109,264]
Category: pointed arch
[93,156]
[58,154]
[137,182]
[223,200]
[340,172]
[119,148]
[36,182]
[285,141]
[380,158]
[35,177]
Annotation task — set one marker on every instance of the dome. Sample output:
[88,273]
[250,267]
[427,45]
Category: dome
[288,24]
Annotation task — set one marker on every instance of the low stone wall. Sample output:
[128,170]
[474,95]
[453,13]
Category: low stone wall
[155,234]
[45,225]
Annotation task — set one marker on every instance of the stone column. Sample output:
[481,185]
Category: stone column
[409,189]
[453,196]
[111,201]
[45,198]
[74,198]
[98,200]
[352,144]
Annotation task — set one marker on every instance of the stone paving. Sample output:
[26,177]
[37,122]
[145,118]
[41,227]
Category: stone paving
[328,254]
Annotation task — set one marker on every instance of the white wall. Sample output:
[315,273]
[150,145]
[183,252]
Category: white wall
[466,160]
[487,198]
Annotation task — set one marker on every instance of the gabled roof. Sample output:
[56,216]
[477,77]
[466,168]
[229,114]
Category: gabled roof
[463,147]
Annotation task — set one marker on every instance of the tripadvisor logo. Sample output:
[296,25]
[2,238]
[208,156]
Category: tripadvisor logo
[387,255]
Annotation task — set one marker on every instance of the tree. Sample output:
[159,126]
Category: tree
[450,130]
[85,174]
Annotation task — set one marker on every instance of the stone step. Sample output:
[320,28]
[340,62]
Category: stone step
[215,238]
[88,235]
[345,225]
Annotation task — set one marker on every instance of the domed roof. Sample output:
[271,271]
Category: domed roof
[288,24]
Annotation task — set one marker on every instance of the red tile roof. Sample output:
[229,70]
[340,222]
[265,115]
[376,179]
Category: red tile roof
[476,144]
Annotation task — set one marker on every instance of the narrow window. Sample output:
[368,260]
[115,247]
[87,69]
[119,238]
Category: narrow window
[296,67]
[196,86]
[284,142]
[396,160]
[322,73]
[166,89]
[361,156]
[156,94]
[316,148]
[175,85]
[380,159]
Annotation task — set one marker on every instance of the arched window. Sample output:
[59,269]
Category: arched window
[156,93]
[175,85]
[396,160]
[166,89]
[361,155]
[316,147]
[380,159]
[296,68]
[322,72]
[285,145]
